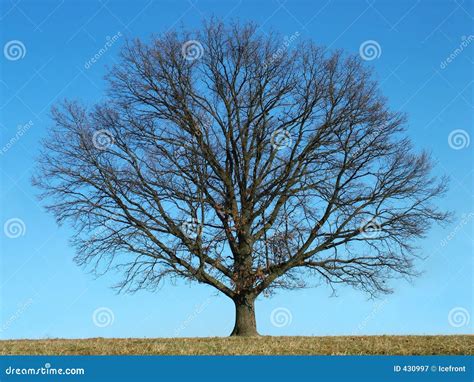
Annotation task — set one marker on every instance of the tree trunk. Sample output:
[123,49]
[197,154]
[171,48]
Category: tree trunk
[245,323]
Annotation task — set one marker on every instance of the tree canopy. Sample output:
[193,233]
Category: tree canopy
[220,157]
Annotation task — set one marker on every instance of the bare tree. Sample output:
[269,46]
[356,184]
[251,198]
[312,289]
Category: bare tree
[225,157]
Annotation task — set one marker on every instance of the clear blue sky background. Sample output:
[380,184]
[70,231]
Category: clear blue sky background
[44,294]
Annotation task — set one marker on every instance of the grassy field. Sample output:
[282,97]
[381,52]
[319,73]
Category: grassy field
[400,345]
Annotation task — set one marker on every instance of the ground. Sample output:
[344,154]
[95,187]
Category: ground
[265,345]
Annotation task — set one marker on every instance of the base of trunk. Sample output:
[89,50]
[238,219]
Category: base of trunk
[245,322]
[239,332]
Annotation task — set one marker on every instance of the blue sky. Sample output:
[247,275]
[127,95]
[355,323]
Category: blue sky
[424,58]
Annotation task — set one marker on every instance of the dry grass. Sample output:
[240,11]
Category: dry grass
[394,345]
